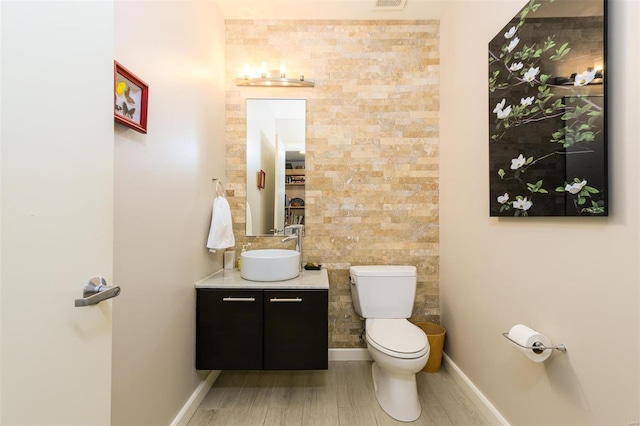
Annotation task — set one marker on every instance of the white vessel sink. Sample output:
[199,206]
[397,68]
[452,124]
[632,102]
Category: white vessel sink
[270,265]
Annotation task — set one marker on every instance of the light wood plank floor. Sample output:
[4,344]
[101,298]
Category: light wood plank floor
[341,395]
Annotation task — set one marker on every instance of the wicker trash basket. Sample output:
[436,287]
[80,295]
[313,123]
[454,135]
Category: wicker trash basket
[435,334]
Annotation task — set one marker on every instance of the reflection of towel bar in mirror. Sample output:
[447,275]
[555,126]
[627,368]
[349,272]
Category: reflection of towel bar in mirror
[537,347]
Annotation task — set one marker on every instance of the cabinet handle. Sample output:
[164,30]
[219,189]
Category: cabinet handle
[238,299]
[294,299]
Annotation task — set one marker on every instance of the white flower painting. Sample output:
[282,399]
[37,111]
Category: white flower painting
[527,101]
[531,74]
[522,204]
[516,163]
[547,141]
[511,32]
[585,78]
[575,188]
[516,66]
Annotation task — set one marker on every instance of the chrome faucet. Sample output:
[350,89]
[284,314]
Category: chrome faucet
[296,235]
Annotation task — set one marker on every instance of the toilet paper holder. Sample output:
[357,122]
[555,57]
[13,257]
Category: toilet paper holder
[537,347]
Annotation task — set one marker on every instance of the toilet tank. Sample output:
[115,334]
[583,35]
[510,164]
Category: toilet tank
[383,291]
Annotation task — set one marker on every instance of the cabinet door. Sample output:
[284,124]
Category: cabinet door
[229,329]
[296,329]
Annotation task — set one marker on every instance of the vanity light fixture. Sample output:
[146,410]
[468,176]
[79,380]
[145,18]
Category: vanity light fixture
[271,78]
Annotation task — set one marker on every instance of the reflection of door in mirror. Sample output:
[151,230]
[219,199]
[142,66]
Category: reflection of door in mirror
[275,141]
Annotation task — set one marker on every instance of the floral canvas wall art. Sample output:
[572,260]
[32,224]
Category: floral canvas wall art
[547,127]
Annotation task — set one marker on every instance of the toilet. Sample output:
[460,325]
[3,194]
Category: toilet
[383,295]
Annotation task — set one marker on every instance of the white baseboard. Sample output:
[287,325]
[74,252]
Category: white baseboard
[194,401]
[349,354]
[484,405]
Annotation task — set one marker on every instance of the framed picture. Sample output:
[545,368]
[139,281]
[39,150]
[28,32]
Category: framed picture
[547,112]
[262,178]
[131,96]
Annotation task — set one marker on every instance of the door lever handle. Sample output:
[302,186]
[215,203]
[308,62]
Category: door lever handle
[95,291]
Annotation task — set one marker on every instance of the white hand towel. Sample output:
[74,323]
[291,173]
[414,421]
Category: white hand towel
[249,229]
[221,232]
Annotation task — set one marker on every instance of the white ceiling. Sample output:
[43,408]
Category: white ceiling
[366,9]
[329,9]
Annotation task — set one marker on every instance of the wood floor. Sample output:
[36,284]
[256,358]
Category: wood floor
[341,395]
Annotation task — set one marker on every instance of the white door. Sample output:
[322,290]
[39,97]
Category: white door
[278,207]
[56,210]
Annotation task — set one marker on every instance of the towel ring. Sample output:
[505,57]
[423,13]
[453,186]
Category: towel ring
[219,186]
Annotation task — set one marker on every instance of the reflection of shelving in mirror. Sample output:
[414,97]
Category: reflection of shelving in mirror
[275,135]
[295,180]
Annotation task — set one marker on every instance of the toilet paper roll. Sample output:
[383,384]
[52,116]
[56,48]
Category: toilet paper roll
[526,336]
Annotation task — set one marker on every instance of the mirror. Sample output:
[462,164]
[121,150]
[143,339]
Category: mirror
[547,91]
[275,165]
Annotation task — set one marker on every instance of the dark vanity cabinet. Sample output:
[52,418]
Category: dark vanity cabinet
[296,329]
[261,329]
[229,329]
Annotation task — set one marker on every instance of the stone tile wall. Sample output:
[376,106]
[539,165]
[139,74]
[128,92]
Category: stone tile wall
[371,148]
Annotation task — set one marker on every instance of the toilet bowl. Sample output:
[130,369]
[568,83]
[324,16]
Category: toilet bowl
[383,295]
[399,350]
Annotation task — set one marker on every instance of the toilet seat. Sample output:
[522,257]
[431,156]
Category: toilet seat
[397,337]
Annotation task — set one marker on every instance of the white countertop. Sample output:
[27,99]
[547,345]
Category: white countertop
[230,278]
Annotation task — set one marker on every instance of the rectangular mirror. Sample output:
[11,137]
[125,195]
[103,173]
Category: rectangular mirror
[275,165]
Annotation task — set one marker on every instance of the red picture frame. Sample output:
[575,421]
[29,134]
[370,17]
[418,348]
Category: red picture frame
[130,99]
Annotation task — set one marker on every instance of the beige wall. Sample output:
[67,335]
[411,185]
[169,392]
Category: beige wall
[372,146]
[163,196]
[576,280]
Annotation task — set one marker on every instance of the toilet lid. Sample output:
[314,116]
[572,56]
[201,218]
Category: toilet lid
[397,337]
